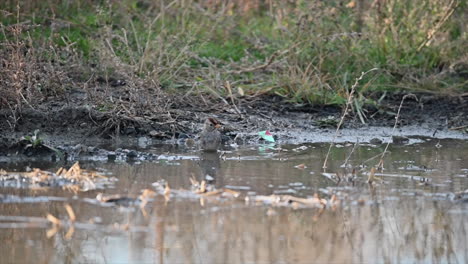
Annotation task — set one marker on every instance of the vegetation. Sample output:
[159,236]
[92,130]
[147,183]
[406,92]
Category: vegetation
[307,51]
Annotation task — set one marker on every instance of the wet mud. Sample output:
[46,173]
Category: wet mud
[70,193]
[74,125]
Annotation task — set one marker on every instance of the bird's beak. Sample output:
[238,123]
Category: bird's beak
[217,125]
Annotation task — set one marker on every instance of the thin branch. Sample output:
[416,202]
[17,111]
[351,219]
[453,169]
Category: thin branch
[345,112]
[380,165]
[258,67]
[430,35]
[228,87]
[351,153]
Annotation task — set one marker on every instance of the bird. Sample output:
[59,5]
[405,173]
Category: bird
[210,137]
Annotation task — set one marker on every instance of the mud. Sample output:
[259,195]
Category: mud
[74,131]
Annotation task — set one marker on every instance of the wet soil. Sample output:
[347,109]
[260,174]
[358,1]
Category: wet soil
[287,208]
[74,124]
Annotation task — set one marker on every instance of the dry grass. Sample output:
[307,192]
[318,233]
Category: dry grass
[133,59]
[74,179]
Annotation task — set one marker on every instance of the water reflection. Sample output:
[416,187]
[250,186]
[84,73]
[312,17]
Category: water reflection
[401,219]
[210,164]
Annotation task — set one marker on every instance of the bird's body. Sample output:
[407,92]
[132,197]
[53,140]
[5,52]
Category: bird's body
[210,137]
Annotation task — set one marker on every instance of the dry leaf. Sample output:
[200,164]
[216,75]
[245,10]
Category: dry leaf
[54,220]
[212,193]
[59,171]
[74,170]
[300,166]
[372,178]
[233,193]
[203,186]
[51,232]
[147,194]
[167,190]
[193,181]
[351,4]
[240,91]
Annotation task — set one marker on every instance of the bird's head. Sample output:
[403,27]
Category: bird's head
[211,124]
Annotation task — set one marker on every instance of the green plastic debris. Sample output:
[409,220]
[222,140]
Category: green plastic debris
[266,135]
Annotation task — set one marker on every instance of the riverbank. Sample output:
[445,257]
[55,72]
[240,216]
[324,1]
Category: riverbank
[72,125]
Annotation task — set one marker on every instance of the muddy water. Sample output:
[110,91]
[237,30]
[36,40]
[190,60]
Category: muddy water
[411,215]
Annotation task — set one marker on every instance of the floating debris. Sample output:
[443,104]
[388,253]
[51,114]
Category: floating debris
[74,179]
[198,190]
[116,199]
[295,202]
[372,178]
[301,148]
[300,166]
[339,177]
[202,190]
[420,179]
[121,200]
[266,135]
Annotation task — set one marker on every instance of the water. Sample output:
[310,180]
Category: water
[411,215]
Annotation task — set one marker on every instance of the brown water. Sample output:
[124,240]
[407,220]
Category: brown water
[411,216]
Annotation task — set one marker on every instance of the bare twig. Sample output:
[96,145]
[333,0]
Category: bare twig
[268,62]
[458,128]
[380,165]
[431,33]
[261,66]
[351,153]
[345,112]
[228,87]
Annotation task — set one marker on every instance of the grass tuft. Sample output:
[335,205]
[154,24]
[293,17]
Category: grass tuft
[305,51]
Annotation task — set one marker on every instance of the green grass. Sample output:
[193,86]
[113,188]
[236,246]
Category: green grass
[320,53]
[229,50]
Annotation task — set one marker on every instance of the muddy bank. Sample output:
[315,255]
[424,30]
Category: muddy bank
[75,129]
